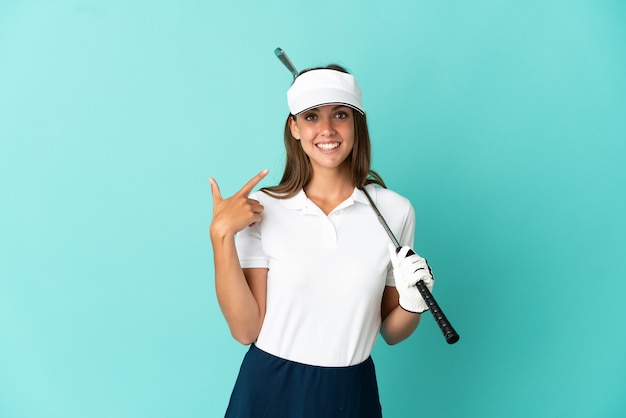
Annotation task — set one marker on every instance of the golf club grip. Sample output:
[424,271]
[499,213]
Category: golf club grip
[448,331]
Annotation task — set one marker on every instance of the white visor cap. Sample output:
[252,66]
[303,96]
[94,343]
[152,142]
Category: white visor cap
[322,87]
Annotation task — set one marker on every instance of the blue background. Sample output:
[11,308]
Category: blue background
[503,122]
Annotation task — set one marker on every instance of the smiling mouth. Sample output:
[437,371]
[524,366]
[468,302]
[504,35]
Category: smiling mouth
[328,147]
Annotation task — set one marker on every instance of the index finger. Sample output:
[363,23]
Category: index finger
[247,188]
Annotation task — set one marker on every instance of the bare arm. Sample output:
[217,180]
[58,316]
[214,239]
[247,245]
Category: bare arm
[397,324]
[240,292]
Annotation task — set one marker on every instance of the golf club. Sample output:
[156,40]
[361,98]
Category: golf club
[448,331]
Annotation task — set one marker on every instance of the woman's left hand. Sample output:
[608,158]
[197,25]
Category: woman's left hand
[407,271]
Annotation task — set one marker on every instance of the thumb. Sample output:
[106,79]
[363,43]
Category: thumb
[215,190]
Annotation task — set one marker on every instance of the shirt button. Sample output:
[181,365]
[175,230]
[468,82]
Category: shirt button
[338,213]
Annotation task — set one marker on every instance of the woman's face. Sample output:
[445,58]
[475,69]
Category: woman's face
[326,134]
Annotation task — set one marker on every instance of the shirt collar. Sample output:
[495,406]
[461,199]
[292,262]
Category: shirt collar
[300,201]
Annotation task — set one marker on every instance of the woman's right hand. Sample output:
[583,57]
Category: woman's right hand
[233,214]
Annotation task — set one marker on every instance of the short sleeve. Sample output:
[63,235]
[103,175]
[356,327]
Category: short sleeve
[250,246]
[250,249]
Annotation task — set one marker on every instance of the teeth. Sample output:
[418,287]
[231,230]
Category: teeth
[328,147]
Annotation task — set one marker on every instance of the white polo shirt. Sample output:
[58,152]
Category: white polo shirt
[326,273]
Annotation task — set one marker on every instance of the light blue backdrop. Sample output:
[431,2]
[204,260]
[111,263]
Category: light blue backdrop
[503,122]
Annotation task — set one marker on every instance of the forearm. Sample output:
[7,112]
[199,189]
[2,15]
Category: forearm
[399,325]
[238,304]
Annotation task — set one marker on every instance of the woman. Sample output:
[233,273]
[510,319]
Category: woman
[308,282]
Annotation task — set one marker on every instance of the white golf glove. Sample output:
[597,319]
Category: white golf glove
[407,271]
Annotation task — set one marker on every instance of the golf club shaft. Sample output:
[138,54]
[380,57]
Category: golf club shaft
[282,56]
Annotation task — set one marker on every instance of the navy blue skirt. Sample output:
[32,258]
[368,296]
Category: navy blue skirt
[272,387]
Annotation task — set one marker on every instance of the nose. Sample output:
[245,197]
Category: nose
[327,126]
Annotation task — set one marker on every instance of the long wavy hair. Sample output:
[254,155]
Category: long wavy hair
[298,170]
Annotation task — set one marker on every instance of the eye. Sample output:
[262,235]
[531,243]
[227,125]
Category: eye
[341,115]
[310,117]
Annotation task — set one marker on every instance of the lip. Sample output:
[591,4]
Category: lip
[328,151]
[317,144]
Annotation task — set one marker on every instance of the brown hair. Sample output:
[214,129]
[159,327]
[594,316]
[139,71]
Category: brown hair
[298,168]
